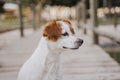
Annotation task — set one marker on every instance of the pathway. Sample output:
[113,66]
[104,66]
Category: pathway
[89,62]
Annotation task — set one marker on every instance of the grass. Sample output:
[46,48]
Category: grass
[114,52]
[107,21]
[115,55]
[12,23]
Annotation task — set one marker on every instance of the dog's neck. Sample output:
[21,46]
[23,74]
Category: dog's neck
[45,56]
[43,50]
[52,47]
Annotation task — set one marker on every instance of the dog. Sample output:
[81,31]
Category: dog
[44,64]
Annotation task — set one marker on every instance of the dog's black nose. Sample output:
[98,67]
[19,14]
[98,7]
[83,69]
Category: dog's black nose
[80,41]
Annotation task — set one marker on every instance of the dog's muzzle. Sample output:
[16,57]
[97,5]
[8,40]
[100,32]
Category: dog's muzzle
[77,44]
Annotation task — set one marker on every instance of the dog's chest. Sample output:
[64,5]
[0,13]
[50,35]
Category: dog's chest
[51,67]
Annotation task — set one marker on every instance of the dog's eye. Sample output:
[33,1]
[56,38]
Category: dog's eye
[65,34]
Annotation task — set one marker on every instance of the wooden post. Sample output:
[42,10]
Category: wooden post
[33,19]
[109,6]
[115,20]
[78,13]
[40,4]
[21,18]
[84,14]
[93,6]
[81,13]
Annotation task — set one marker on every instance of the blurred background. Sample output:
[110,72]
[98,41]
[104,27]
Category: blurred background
[21,22]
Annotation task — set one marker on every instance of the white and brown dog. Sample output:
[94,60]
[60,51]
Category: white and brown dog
[44,64]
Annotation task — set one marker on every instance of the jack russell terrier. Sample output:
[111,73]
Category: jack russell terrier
[45,64]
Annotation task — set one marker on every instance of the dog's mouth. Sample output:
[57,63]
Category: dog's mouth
[71,48]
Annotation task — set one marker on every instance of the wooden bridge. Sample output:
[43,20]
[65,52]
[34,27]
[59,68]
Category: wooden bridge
[89,62]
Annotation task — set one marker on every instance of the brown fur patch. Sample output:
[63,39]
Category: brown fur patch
[70,26]
[52,31]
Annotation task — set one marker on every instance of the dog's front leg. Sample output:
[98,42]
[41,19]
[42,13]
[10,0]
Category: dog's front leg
[59,71]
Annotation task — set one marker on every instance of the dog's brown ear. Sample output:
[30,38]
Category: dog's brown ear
[70,25]
[67,21]
[52,30]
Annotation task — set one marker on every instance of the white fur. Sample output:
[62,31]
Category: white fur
[65,27]
[34,66]
[45,62]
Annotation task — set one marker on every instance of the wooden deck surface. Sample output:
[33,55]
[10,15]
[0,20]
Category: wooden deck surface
[89,62]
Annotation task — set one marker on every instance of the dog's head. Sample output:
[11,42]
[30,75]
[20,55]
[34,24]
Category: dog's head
[60,34]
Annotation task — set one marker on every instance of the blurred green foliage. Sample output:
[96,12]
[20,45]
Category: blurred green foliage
[115,55]
[64,2]
[70,3]
[101,3]
[30,1]
[27,1]
[108,21]
[1,6]
[111,3]
[61,2]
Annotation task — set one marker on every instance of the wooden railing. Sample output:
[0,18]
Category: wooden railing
[99,32]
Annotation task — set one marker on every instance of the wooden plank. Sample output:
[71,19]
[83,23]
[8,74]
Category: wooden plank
[93,64]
